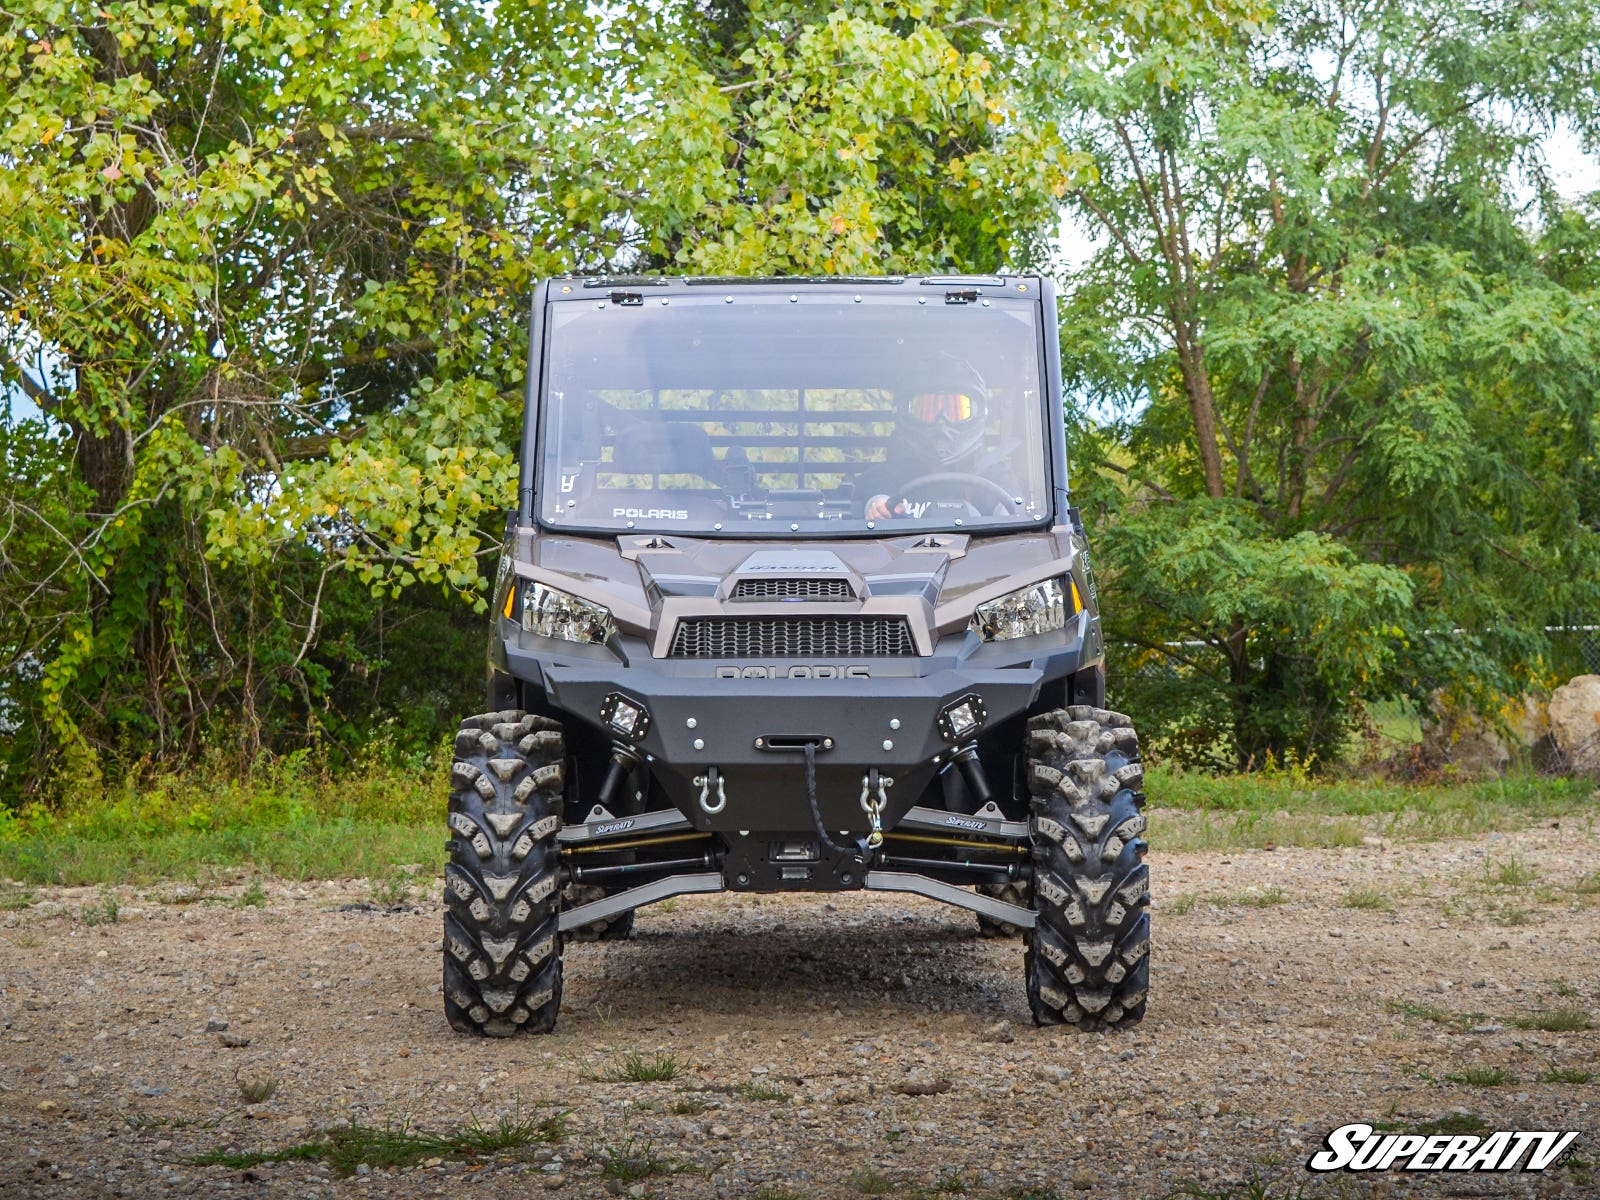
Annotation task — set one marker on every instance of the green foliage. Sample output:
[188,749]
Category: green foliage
[266,274]
[1336,339]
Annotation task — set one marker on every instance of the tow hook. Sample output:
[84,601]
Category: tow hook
[709,782]
[873,800]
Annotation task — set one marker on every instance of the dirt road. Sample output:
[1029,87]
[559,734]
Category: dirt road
[1291,992]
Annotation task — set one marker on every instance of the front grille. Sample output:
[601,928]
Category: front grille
[792,637]
[793,589]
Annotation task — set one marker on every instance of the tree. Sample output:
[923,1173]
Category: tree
[1339,325]
[266,274]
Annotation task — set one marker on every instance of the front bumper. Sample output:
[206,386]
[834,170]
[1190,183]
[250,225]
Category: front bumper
[752,732]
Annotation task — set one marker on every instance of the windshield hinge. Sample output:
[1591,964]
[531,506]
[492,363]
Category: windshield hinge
[964,296]
[627,299]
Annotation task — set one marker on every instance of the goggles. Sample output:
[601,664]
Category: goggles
[953,408]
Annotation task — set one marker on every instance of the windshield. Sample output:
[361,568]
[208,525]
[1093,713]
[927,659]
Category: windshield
[823,412]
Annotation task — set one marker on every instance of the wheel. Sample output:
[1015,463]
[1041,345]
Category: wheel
[1011,893]
[612,929]
[1088,956]
[502,945]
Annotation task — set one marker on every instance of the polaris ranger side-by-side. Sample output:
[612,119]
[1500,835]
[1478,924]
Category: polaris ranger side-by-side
[793,599]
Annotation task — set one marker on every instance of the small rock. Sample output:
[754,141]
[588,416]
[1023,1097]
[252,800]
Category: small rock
[1051,1073]
[1084,1178]
[216,1025]
[921,1084]
[49,1106]
[555,1181]
[1000,1031]
[1486,1029]
[721,1131]
[233,1041]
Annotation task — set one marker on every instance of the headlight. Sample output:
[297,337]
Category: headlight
[1041,608]
[552,613]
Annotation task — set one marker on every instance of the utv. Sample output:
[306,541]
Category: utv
[793,599]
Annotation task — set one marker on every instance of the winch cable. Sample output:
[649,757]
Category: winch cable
[858,851]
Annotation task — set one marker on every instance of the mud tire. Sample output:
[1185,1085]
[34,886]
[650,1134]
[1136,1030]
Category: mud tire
[614,929]
[502,944]
[1087,958]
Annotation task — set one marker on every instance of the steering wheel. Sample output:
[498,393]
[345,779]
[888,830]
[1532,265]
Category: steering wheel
[1012,508]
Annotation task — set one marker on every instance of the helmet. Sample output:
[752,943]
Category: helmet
[947,410]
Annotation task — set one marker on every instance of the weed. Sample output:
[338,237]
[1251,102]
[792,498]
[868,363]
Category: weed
[104,913]
[1588,885]
[763,1091]
[393,888]
[257,1090]
[632,1160]
[1254,1189]
[254,896]
[1562,988]
[689,1106]
[138,1122]
[1460,1022]
[1511,915]
[27,939]
[15,899]
[1557,1020]
[1482,1077]
[1371,899]
[634,1067]
[1512,873]
[669,905]
[1179,904]
[773,1191]
[1254,898]
[953,1184]
[870,1183]
[1566,1075]
[347,1147]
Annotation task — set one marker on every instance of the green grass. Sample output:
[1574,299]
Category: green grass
[1512,873]
[764,1092]
[773,1191]
[1262,898]
[1480,1077]
[1459,1021]
[347,1147]
[1567,1075]
[631,1160]
[292,818]
[301,818]
[689,1106]
[1368,898]
[634,1067]
[1195,811]
[871,1183]
[1557,1020]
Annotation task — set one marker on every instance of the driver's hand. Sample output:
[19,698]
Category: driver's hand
[878,508]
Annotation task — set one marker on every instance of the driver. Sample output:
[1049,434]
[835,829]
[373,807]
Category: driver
[940,432]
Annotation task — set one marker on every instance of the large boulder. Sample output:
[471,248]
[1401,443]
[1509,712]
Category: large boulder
[1575,724]
[1474,746]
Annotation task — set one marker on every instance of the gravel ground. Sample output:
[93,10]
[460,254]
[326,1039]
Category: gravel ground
[1278,1011]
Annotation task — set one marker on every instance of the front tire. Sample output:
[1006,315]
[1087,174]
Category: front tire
[502,944]
[1087,958]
